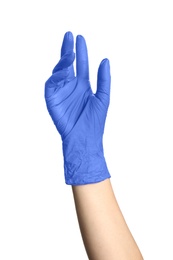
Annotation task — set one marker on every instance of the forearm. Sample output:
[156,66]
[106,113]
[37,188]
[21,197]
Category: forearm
[79,116]
[103,228]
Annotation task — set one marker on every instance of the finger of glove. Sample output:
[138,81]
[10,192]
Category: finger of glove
[68,46]
[82,67]
[66,61]
[103,81]
[57,78]
[55,82]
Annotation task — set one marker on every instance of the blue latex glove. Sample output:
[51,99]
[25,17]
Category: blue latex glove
[78,114]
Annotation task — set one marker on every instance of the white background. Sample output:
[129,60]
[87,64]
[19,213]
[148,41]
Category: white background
[37,214]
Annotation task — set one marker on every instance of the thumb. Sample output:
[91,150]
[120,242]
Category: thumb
[103,82]
[56,81]
[66,61]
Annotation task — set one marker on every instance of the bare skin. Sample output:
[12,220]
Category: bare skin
[105,233]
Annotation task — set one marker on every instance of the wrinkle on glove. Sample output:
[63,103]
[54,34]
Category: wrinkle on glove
[78,114]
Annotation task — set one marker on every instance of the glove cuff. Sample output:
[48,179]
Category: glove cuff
[84,163]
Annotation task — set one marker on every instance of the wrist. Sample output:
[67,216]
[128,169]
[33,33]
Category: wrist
[84,161]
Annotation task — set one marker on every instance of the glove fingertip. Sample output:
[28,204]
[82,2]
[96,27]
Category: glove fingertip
[66,60]
[104,69]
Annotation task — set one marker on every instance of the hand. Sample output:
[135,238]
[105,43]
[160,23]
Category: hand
[78,114]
